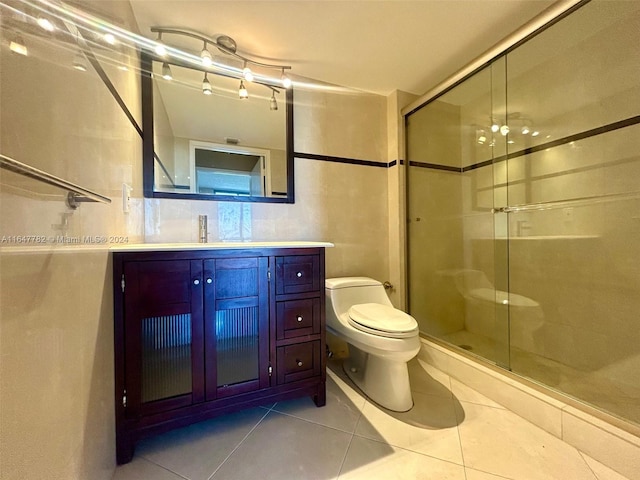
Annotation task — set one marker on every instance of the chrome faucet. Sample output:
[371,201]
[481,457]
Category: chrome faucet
[203,234]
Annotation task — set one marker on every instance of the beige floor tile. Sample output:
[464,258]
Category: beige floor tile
[498,441]
[141,469]
[426,379]
[369,460]
[430,427]
[342,410]
[601,471]
[197,451]
[283,447]
[478,475]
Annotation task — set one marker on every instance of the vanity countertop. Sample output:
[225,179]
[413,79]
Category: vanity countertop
[152,247]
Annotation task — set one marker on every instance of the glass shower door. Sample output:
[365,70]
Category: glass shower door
[574,198]
[457,269]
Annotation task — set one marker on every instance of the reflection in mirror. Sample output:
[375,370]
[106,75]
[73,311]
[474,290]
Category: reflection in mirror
[203,141]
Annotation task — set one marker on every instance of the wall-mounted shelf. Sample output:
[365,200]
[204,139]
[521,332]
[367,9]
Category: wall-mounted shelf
[77,194]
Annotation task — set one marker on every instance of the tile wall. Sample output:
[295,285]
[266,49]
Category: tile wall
[56,374]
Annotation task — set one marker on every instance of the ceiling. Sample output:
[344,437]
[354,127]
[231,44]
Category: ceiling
[368,45]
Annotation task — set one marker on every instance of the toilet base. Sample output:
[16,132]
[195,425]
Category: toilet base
[383,381]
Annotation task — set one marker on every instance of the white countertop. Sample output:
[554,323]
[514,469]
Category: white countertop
[152,247]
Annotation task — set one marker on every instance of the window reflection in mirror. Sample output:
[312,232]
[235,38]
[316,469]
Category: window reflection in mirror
[217,146]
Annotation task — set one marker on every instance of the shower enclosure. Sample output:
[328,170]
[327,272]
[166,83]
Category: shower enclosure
[523,200]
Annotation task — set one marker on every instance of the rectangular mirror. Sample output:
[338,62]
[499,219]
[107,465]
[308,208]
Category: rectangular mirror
[214,146]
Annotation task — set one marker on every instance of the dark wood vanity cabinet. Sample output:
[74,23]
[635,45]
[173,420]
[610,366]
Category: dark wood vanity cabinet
[199,333]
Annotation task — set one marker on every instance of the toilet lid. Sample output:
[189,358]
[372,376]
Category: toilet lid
[382,320]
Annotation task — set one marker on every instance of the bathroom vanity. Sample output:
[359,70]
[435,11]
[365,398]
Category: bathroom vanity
[206,329]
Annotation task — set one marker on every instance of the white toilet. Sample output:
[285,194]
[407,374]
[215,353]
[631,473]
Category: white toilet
[381,339]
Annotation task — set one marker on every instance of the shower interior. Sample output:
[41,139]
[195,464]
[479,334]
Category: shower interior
[523,201]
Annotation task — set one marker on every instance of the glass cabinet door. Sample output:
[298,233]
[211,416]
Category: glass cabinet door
[237,325]
[163,301]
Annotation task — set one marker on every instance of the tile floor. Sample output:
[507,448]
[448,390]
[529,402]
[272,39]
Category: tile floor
[452,432]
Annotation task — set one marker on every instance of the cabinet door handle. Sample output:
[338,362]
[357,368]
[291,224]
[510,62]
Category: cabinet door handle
[299,318]
[196,282]
[299,274]
[299,362]
[209,280]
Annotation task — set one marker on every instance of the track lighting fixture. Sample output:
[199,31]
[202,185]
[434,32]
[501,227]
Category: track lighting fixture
[504,130]
[273,103]
[18,46]
[242,91]
[166,71]
[205,55]
[206,86]
[227,46]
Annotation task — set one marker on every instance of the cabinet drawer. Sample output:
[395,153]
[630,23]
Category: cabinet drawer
[295,318]
[297,274]
[299,361]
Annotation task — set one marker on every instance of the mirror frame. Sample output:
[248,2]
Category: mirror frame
[148,150]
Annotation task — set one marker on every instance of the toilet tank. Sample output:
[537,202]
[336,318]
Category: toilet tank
[343,292]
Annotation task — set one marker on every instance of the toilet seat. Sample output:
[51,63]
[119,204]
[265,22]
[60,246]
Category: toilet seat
[382,320]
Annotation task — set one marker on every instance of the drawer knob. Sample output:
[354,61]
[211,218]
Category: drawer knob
[299,362]
[299,318]
[299,274]
[196,282]
[209,280]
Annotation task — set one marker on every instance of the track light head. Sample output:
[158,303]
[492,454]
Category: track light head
[247,73]
[286,81]
[166,71]
[273,103]
[242,91]
[159,47]
[109,38]
[205,55]
[46,24]
[206,86]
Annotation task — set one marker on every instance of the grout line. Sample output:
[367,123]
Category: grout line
[458,422]
[410,450]
[315,423]
[239,443]
[489,473]
[353,434]
[344,457]
[148,460]
[595,475]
